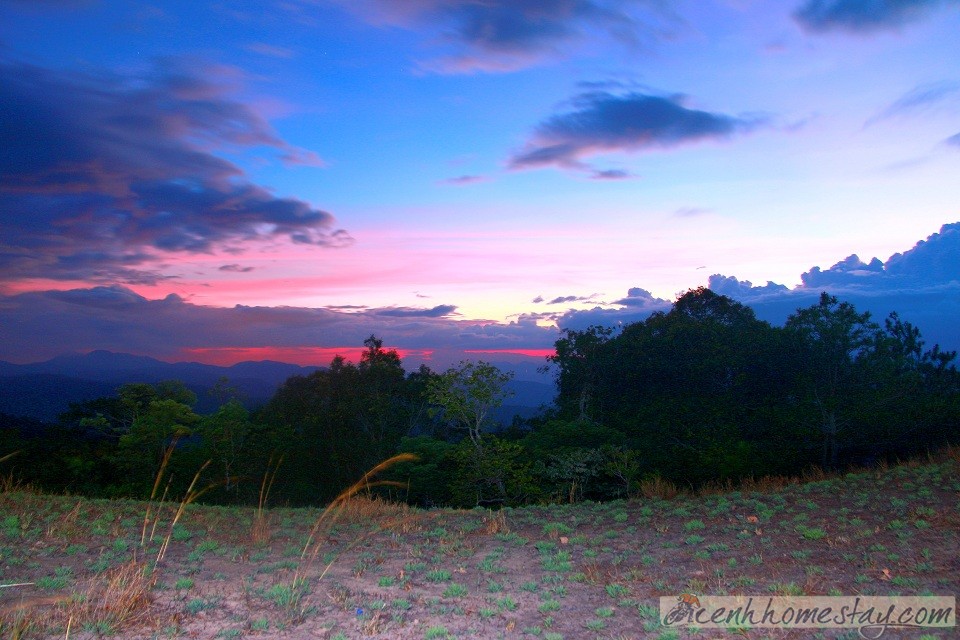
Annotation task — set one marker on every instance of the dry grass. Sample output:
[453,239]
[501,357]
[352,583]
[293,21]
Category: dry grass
[260,531]
[111,601]
[496,522]
[118,598]
[351,504]
[657,487]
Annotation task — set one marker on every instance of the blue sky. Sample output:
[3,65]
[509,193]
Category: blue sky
[459,175]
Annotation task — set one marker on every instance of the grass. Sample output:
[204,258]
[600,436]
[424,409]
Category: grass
[368,568]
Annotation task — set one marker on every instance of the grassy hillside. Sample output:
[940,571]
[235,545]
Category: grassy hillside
[75,567]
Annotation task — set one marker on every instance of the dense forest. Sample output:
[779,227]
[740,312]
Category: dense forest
[702,393]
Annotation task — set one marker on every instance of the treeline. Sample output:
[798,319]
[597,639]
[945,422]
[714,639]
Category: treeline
[703,392]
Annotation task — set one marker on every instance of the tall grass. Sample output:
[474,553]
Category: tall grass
[260,531]
[350,502]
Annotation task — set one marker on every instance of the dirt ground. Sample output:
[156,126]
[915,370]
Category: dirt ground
[75,567]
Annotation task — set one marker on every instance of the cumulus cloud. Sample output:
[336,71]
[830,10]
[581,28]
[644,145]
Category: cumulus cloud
[849,272]
[439,311]
[601,121]
[637,297]
[864,16]
[953,140]
[40,325]
[922,285]
[733,288]
[506,35]
[101,175]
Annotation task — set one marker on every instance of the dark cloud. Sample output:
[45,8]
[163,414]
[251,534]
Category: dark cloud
[612,174]
[101,175]
[538,300]
[460,181]
[439,311]
[864,16]
[236,268]
[568,299]
[602,122]
[39,325]
[505,35]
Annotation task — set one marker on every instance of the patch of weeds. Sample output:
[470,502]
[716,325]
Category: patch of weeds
[287,595]
[595,624]
[506,603]
[559,562]
[811,533]
[438,575]
[557,529]
[195,606]
[549,605]
[694,525]
[616,590]
[260,624]
[648,612]
[181,533]
[183,583]
[59,580]
[433,633]
[455,591]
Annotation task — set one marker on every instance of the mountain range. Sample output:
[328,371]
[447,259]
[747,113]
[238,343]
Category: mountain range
[44,390]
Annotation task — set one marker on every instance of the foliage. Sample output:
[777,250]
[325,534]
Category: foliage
[465,396]
[702,394]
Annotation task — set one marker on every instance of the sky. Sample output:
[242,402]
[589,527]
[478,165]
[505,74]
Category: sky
[219,180]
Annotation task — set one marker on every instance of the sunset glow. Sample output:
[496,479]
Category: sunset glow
[280,180]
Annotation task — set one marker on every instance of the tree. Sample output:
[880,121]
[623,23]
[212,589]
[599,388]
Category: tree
[342,421]
[834,346]
[489,469]
[158,426]
[225,435]
[466,395]
[579,359]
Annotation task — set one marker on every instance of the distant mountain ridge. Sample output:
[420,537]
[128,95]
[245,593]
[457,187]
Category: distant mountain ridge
[44,390]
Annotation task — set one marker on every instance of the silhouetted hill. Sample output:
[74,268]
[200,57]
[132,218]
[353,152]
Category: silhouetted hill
[44,390]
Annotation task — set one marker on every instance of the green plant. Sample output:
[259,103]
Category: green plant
[437,632]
